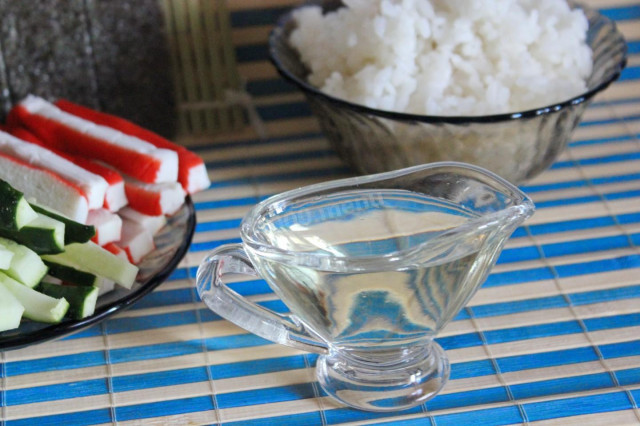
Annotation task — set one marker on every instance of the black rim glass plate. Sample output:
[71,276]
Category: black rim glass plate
[172,243]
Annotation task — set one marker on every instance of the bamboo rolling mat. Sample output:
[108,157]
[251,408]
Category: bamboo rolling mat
[552,337]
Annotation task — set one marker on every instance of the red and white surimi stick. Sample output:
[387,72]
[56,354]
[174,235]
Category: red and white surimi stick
[114,198]
[135,241]
[44,187]
[108,226]
[113,248]
[154,199]
[192,173]
[93,186]
[151,223]
[69,133]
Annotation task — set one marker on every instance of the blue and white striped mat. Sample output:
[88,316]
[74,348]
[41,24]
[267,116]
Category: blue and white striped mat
[552,337]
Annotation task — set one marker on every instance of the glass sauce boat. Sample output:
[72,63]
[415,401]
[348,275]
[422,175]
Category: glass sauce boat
[371,268]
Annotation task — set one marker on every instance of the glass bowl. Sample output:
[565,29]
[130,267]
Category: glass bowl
[517,146]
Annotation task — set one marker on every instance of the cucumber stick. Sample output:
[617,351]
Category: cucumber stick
[72,275]
[75,232]
[37,306]
[11,310]
[43,235]
[82,300]
[15,212]
[90,257]
[5,257]
[26,266]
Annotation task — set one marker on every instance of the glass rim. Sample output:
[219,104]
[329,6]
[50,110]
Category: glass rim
[522,205]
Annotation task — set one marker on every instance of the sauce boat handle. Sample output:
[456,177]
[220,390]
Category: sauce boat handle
[284,329]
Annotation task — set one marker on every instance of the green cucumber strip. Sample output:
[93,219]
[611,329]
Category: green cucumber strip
[15,212]
[82,300]
[43,235]
[75,232]
[26,266]
[5,257]
[37,306]
[90,257]
[72,275]
[11,310]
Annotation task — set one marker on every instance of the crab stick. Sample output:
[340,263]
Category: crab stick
[136,241]
[154,199]
[115,197]
[94,187]
[69,133]
[113,248]
[45,187]
[108,226]
[151,223]
[192,173]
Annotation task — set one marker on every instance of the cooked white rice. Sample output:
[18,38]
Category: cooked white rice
[446,57]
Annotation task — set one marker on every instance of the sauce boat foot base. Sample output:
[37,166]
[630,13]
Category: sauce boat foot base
[374,385]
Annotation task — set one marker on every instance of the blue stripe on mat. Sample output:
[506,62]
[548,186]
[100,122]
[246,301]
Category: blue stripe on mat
[493,416]
[87,332]
[161,298]
[91,417]
[565,407]
[633,46]
[165,408]
[253,17]
[608,295]
[262,396]
[601,141]
[628,377]
[606,159]
[312,418]
[487,416]
[597,266]
[465,370]
[513,307]
[621,349]
[630,73]
[468,398]
[532,332]
[218,225]
[155,379]
[230,202]
[331,172]
[343,415]
[625,13]
[613,321]
[268,87]
[259,366]
[546,359]
[269,159]
[55,392]
[563,271]
[282,111]
[54,363]
[563,385]
[603,180]
[518,277]
[295,138]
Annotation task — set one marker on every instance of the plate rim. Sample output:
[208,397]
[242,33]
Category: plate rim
[70,326]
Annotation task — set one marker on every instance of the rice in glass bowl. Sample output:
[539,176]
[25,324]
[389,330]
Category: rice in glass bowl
[377,129]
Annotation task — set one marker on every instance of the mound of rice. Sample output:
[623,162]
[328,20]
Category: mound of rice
[446,57]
